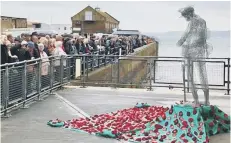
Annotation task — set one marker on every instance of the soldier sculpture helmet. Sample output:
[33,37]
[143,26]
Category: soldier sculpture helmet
[186,11]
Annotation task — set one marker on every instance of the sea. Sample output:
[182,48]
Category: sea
[219,40]
[171,72]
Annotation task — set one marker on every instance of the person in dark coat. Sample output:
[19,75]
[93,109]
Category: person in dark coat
[77,45]
[17,41]
[34,39]
[21,51]
[67,43]
[5,58]
[92,43]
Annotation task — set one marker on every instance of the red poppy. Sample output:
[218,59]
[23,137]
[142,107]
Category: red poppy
[211,124]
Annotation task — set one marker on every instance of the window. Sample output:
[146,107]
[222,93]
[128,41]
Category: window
[5,19]
[88,15]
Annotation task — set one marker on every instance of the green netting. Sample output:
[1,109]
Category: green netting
[106,133]
[186,124]
[142,105]
[179,124]
[55,123]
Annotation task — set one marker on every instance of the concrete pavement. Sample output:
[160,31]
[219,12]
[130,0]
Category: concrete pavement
[29,125]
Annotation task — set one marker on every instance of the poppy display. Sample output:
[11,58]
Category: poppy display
[153,124]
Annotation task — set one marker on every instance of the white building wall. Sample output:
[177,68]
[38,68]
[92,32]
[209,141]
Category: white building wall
[62,28]
[59,28]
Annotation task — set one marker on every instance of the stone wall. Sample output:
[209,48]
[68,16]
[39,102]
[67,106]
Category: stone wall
[128,72]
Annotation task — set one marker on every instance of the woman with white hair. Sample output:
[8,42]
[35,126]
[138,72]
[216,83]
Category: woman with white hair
[44,41]
[45,66]
[58,53]
[47,37]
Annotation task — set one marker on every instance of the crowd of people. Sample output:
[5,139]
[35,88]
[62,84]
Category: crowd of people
[33,46]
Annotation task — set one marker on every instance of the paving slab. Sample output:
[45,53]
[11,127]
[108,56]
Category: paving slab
[29,125]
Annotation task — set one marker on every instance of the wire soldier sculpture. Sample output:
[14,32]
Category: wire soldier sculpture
[195,50]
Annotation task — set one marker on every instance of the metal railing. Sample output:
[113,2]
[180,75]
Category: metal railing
[23,82]
[149,72]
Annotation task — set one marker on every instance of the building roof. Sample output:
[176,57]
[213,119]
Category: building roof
[13,17]
[104,14]
[126,32]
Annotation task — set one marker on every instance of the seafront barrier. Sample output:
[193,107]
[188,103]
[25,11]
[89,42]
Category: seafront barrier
[125,71]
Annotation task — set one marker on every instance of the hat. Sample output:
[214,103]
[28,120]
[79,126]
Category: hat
[186,10]
[31,45]
[24,43]
[26,34]
[34,33]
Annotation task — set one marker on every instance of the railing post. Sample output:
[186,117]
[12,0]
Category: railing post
[69,69]
[105,60]
[6,91]
[120,51]
[98,61]
[61,70]
[51,74]
[84,70]
[74,67]
[150,74]
[39,78]
[154,70]
[24,85]
[228,84]
[92,61]
[184,82]
[118,72]
[87,65]
[188,78]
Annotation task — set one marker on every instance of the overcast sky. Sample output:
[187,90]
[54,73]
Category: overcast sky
[143,16]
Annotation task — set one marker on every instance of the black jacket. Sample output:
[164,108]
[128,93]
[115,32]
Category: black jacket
[5,58]
[36,51]
[22,54]
[93,45]
[67,43]
[15,49]
[77,45]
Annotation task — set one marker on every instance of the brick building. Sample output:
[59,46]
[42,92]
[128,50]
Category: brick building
[12,22]
[90,20]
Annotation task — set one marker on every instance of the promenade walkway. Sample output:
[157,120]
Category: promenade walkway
[29,125]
